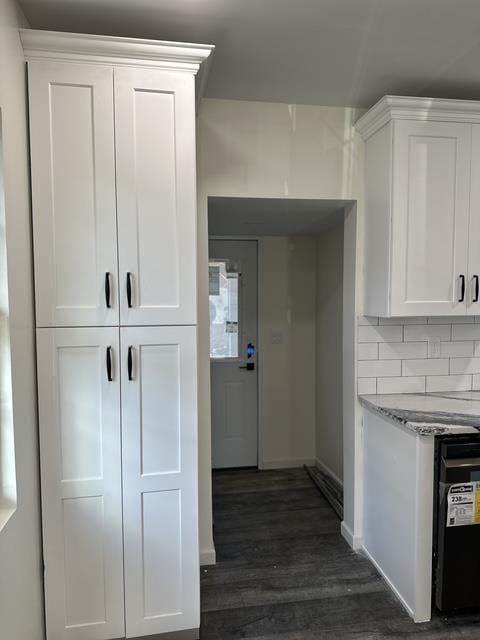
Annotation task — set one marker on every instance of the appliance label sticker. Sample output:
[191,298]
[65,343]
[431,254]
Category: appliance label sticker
[463,504]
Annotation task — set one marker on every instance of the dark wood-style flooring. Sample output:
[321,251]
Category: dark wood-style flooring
[285,573]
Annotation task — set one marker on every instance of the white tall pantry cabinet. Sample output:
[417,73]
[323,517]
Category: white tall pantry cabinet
[112,131]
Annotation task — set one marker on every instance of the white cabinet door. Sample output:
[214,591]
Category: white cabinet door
[473,291]
[159,436]
[73,193]
[155,150]
[429,241]
[80,453]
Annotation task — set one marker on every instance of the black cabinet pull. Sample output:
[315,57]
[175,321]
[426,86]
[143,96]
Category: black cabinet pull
[130,363]
[462,288]
[129,289]
[477,288]
[107,290]
[109,364]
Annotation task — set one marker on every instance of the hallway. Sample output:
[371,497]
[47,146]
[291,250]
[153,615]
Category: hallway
[284,571]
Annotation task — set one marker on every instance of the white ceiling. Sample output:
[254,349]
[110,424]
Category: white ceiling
[272,216]
[327,52]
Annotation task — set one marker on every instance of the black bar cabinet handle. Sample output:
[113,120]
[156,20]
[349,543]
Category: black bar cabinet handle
[462,288]
[129,289]
[130,363]
[477,288]
[107,290]
[109,364]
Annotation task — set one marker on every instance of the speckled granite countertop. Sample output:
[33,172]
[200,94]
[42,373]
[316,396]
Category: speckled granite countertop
[429,414]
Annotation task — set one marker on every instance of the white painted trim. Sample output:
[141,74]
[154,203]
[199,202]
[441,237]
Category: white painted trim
[326,469]
[355,542]
[56,44]
[397,593]
[208,557]
[285,463]
[113,50]
[408,108]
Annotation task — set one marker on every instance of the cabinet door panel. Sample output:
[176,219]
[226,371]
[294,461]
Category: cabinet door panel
[80,455]
[159,434]
[474,226]
[155,147]
[73,193]
[430,217]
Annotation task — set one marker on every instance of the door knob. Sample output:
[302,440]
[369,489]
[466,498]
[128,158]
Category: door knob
[249,366]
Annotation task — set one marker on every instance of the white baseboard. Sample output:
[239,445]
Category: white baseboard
[397,593]
[355,542]
[326,469]
[285,463]
[208,557]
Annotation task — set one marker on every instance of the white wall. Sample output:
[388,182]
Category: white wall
[329,355]
[278,150]
[21,608]
[287,276]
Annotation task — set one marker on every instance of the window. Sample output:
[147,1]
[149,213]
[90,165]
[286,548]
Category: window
[8,488]
[223,292]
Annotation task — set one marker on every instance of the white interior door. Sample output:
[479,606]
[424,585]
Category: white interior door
[160,495]
[431,191]
[233,293]
[73,193]
[155,147]
[79,416]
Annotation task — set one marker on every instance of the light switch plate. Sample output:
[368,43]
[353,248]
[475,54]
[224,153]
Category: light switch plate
[434,347]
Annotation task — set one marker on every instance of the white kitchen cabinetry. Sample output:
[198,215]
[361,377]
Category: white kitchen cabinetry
[79,200]
[159,417]
[73,194]
[113,185]
[155,144]
[80,445]
[421,209]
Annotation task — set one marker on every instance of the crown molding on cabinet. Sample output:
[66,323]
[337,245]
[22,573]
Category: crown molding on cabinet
[408,108]
[82,47]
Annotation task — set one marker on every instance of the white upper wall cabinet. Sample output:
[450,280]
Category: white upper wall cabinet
[73,194]
[422,207]
[106,176]
[155,151]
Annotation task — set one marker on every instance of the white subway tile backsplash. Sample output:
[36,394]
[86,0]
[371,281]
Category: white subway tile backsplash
[451,320]
[380,334]
[393,355]
[401,385]
[462,349]
[417,320]
[367,320]
[464,365]
[367,386]
[466,332]
[368,351]
[433,367]
[401,350]
[421,332]
[378,368]
[449,383]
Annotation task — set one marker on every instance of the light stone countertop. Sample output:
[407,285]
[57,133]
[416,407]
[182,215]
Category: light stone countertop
[429,414]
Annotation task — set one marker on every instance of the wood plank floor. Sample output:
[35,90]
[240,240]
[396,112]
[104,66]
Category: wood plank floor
[285,573]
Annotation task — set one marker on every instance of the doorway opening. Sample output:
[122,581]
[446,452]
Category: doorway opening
[276,288]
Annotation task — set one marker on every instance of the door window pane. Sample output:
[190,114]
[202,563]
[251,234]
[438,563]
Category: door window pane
[223,293]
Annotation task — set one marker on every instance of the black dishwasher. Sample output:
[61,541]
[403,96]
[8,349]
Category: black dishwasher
[456,556]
